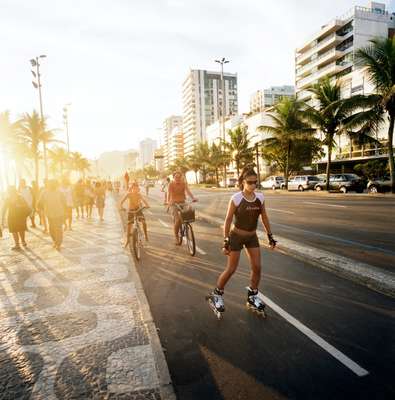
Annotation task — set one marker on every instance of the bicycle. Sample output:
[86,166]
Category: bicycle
[187,216]
[137,242]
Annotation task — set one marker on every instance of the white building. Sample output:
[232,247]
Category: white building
[131,160]
[252,122]
[331,52]
[264,98]
[147,150]
[176,145]
[202,103]
[174,121]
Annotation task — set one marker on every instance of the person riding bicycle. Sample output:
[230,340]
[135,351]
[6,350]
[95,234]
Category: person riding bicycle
[176,194]
[136,200]
[246,207]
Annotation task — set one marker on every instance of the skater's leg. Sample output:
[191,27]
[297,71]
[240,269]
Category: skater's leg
[254,256]
[233,262]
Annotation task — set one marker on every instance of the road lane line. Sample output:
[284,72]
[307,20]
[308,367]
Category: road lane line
[341,357]
[350,242]
[325,204]
[283,211]
[199,250]
[164,223]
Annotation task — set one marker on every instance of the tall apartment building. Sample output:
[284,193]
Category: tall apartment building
[331,51]
[147,150]
[170,123]
[202,103]
[176,144]
[262,99]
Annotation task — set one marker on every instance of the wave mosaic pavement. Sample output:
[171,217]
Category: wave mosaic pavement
[71,323]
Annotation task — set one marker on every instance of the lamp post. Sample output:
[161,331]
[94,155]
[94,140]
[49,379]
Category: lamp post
[223,61]
[37,85]
[66,124]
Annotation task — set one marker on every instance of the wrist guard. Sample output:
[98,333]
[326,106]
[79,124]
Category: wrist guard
[272,242]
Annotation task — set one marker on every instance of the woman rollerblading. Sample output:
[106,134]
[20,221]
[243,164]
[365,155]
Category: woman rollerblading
[245,207]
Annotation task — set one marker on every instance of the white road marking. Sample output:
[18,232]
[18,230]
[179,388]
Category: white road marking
[164,223]
[199,250]
[283,211]
[149,212]
[341,357]
[325,204]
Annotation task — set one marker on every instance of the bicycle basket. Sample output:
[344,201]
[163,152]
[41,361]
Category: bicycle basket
[187,214]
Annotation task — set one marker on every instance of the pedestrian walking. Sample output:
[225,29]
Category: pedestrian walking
[54,208]
[165,188]
[126,178]
[40,206]
[67,192]
[27,193]
[78,197]
[17,211]
[89,196]
[100,199]
[245,207]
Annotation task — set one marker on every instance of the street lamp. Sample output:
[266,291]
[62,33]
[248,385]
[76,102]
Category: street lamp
[223,61]
[37,85]
[66,124]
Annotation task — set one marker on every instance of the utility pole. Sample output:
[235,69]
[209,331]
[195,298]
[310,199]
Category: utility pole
[35,63]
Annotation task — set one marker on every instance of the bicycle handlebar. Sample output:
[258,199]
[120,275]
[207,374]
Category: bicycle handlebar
[135,211]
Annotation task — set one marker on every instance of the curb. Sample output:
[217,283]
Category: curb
[374,278]
[166,386]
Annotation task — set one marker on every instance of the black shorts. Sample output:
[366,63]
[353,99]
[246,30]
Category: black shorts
[131,216]
[237,241]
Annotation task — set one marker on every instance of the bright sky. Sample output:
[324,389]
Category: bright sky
[121,63]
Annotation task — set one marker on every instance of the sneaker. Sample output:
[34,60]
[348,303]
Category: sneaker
[16,248]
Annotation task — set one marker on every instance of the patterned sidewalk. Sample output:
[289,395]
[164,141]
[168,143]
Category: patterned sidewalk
[76,324]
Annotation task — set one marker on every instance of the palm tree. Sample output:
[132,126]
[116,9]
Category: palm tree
[199,160]
[60,158]
[218,158]
[379,60]
[333,115]
[180,164]
[31,130]
[288,127]
[8,140]
[239,147]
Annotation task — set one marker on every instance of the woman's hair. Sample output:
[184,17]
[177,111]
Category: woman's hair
[246,171]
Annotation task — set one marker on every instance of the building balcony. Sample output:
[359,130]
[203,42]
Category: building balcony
[331,41]
[331,55]
[332,26]
[330,69]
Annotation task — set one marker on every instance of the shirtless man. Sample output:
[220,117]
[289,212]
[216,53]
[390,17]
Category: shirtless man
[135,201]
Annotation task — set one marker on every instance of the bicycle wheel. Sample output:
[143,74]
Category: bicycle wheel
[180,235]
[191,244]
[136,244]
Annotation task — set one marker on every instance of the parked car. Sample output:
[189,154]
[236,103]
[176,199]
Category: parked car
[379,185]
[230,182]
[303,182]
[342,183]
[272,182]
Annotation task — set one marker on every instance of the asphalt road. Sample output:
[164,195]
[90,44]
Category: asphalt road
[358,227]
[246,357]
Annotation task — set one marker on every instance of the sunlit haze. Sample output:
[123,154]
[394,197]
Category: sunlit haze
[121,63]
